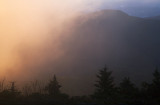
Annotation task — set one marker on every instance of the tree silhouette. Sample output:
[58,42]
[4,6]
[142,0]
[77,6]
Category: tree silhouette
[156,84]
[104,86]
[156,80]
[12,87]
[152,90]
[53,87]
[128,91]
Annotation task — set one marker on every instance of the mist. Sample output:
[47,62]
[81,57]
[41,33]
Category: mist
[32,36]
[41,38]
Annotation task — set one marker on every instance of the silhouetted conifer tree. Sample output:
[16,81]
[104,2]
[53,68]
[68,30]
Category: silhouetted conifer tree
[156,84]
[156,80]
[53,87]
[128,91]
[152,90]
[104,86]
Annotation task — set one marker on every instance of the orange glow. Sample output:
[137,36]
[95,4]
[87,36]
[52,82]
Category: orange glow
[26,30]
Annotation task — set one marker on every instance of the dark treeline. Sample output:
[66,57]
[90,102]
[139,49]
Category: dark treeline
[106,92]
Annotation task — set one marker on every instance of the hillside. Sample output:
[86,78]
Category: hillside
[154,17]
[128,45]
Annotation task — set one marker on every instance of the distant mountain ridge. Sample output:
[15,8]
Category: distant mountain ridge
[129,46]
[154,17]
[113,37]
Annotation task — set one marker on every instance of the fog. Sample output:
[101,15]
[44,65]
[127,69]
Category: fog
[41,38]
[32,35]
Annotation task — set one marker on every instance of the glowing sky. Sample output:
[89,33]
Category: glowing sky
[26,26]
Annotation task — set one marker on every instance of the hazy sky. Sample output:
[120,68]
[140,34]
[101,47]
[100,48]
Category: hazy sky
[141,8]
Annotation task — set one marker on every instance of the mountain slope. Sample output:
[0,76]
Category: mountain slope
[128,45]
[154,18]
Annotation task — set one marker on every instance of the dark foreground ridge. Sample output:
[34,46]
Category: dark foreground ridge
[106,93]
